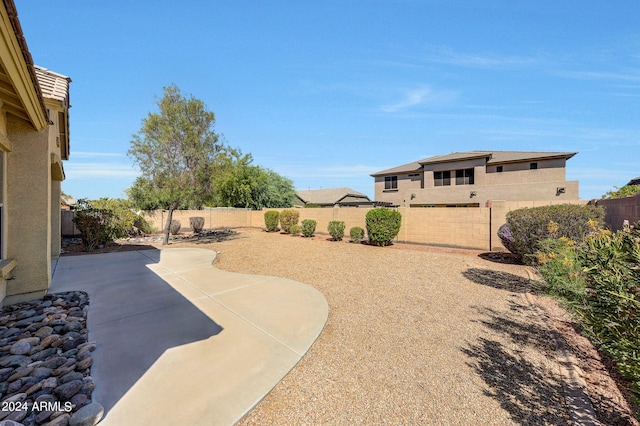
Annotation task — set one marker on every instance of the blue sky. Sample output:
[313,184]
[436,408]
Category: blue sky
[328,92]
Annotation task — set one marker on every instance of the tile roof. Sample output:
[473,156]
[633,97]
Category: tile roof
[405,168]
[53,85]
[328,196]
[493,157]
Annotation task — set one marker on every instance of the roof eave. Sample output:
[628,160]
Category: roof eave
[21,68]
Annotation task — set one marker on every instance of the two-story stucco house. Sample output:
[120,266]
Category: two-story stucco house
[470,179]
[34,139]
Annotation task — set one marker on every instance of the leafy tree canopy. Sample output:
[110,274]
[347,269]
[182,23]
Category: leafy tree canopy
[625,191]
[242,184]
[176,150]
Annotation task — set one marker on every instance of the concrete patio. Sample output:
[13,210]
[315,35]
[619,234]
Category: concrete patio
[179,341]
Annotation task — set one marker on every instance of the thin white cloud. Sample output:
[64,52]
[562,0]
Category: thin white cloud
[478,60]
[106,170]
[423,95]
[630,75]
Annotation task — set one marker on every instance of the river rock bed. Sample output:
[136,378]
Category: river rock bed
[45,362]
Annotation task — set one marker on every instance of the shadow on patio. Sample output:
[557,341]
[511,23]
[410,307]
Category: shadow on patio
[135,316]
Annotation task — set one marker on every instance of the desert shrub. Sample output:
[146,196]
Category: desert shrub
[611,315]
[124,218]
[530,226]
[558,264]
[295,229]
[174,227]
[308,227]
[96,225]
[288,218]
[357,234]
[336,230]
[598,279]
[143,226]
[383,225]
[271,219]
[196,223]
[505,236]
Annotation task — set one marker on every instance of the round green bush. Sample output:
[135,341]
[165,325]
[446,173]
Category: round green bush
[336,230]
[357,234]
[271,220]
[295,230]
[530,226]
[383,225]
[288,218]
[308,227]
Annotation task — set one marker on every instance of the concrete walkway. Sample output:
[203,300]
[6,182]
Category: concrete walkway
[181,342]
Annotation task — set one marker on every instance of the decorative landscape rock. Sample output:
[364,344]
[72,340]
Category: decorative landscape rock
[45,363]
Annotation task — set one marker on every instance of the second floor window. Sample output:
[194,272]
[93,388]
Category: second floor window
[464,177]
[391,182]
[442,178]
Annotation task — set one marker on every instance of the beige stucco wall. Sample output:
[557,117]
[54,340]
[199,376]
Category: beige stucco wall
[56,173]
[28,211]
[464,227]
[56,225]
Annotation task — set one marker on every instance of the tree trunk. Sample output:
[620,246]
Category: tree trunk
[167,225]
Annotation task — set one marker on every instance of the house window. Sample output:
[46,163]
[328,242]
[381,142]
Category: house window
[533,166]
[391,182]
[442,178]
[499,169]
[464,177]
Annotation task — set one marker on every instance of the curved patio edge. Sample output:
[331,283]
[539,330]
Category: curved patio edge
[193,343]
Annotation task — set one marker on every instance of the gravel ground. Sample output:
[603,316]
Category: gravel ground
[420,336]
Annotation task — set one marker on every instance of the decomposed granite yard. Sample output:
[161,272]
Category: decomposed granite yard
[415,335]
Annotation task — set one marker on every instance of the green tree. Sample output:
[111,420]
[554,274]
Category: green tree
[176,150]
[625,191]
[242,184]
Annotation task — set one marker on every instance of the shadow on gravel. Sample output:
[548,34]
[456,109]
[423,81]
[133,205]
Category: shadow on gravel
[529,395]
[499,280]
[514,366]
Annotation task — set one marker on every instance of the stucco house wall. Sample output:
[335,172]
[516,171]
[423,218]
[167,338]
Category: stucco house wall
[33,143]
[515,181]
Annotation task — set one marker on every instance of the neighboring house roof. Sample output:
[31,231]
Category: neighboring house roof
[493,157]
[53,85]
[329,196]
[405,168]
[635,181]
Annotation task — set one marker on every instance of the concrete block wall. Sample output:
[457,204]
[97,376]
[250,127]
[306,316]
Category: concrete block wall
[464,227]
[213,218]
[621,209]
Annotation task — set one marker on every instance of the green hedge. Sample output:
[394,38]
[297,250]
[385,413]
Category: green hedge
[336,229]
[271,220]
[288,218]
[308,227]
[357,234]
[530,226]
[383,226]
